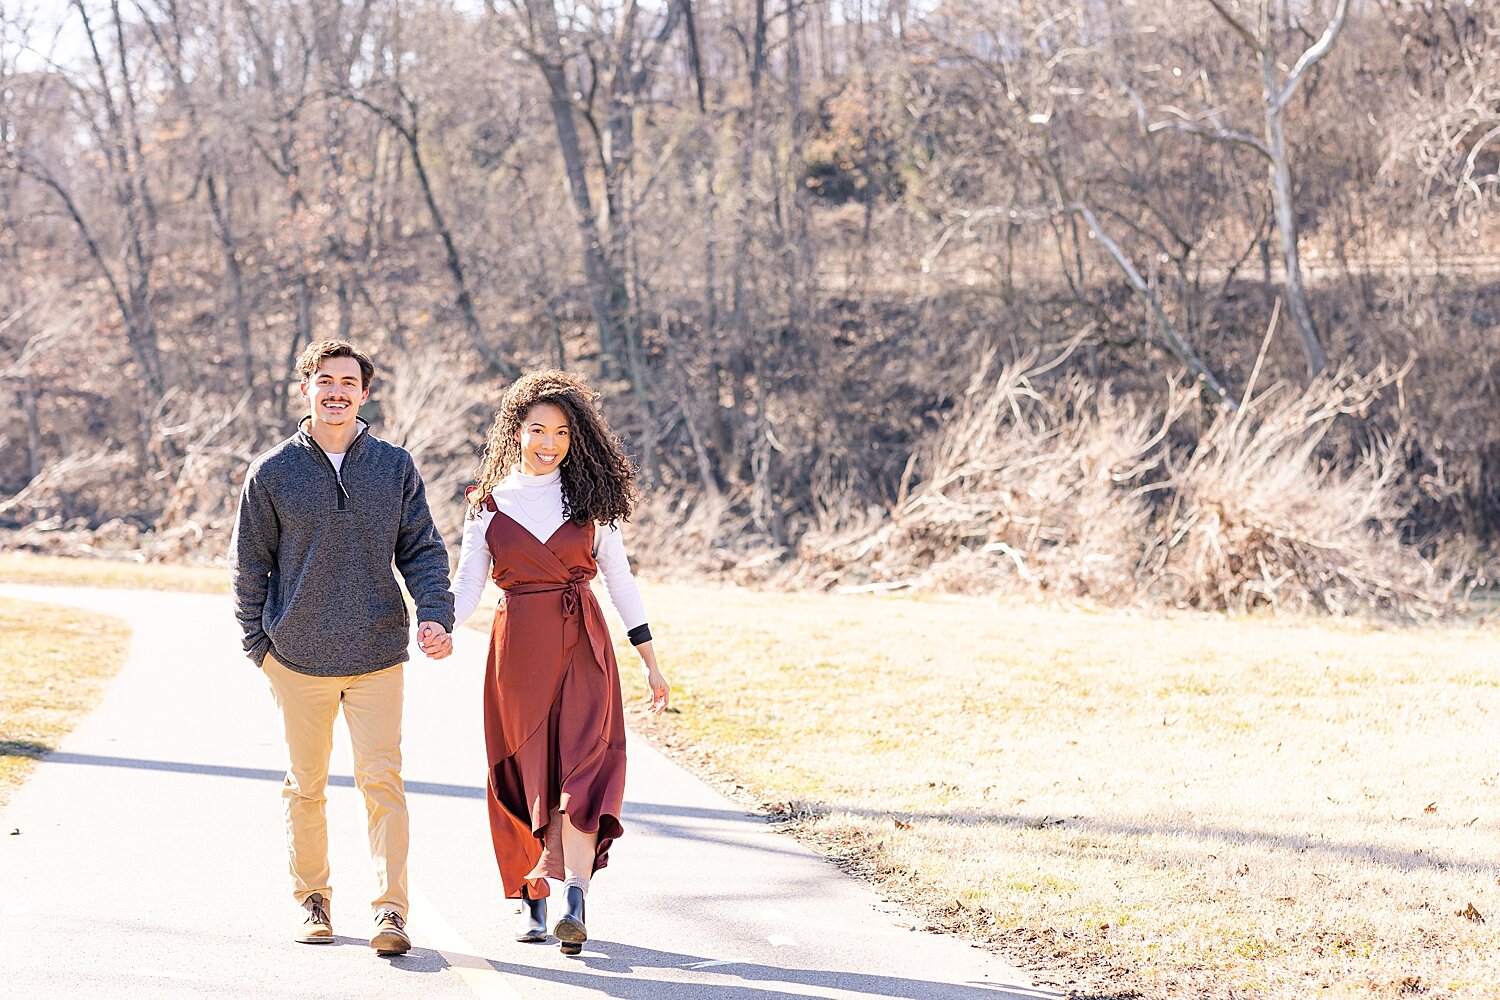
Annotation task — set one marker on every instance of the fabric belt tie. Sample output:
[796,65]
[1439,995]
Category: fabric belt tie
[578,601]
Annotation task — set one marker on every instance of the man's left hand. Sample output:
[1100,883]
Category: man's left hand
[434,640]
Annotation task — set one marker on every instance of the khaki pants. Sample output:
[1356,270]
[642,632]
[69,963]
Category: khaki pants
[372,710]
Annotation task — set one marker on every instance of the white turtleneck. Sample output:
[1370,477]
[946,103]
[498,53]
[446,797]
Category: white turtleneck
[536,503]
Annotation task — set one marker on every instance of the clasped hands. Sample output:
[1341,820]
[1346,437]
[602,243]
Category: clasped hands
[434,640]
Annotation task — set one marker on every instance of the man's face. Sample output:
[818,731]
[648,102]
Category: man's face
[335,392]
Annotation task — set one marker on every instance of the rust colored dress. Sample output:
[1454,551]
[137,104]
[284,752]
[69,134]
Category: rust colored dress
[554,726]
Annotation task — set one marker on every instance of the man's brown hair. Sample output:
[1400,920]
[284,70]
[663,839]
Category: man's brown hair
[321,351]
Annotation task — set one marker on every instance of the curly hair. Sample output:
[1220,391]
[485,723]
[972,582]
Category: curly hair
[598,481]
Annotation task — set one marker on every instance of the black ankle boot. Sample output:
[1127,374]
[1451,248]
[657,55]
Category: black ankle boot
[533,925]
[570,930]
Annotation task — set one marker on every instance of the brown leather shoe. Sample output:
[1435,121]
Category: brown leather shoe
[390,934]
[317,925]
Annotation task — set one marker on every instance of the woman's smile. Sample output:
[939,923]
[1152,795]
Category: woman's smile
[544,439]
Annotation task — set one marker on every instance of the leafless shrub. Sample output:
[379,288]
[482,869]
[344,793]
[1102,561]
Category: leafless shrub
[431,404]
[1447,136]
[198,444]
[1082,494]
[1258,516]
[61,480]
[1019,490]
[687,532]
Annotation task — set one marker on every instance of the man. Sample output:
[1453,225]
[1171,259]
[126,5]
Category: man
[322,517]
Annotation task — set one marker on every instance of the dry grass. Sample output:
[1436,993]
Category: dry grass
[54,663]
[18,567]
[1181,805]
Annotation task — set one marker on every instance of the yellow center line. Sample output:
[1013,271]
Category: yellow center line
[483,979]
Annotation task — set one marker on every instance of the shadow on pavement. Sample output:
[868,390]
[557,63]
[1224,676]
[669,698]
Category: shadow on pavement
[417,960]
[639,812]
[658,817]
[643,811]
[23,748]
[620,970]
[253,773]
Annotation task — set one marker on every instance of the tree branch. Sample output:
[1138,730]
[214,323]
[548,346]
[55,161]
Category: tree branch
[1225,135]
[1312,55]
[1245,33]
[1174,340]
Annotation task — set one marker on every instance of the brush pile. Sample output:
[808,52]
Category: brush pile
[1079,493]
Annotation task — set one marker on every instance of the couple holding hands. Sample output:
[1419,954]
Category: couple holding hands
[325,514]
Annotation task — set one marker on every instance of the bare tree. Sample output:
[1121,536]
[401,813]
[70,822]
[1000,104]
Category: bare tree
[112,116]
[1277,92]
[407,124]
[622,55]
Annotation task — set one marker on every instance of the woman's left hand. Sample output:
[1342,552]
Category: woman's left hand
[660,691]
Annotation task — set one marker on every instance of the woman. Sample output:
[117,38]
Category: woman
[553,487]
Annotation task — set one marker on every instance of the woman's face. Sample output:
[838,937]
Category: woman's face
[544,439]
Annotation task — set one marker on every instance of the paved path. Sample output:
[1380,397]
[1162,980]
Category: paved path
[149,861]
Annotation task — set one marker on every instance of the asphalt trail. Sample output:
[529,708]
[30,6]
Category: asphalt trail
[149,860]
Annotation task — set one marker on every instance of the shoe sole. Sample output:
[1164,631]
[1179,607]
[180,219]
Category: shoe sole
[570,931]
[390,944]
[531,937]
[315,939]
[571,949]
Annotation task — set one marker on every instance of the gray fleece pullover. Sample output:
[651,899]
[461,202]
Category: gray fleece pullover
[312,551]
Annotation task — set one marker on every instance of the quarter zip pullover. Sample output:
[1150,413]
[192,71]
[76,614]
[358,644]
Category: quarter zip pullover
[312,556]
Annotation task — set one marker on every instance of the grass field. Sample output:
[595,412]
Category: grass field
[1131,805]
[54,663]
[1164,806]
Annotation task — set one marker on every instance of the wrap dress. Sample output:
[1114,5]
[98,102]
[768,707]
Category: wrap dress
[554,725]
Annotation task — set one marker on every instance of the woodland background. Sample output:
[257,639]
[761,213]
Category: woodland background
[1186,302]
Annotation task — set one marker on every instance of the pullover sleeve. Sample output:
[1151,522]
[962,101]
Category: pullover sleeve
[473,567]
[420,555]
[252,559]
[619,582]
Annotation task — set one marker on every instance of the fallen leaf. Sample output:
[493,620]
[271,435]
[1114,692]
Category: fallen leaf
[1286,899]
[1470,913]
[1431,807]
[900,825]
[16,832]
